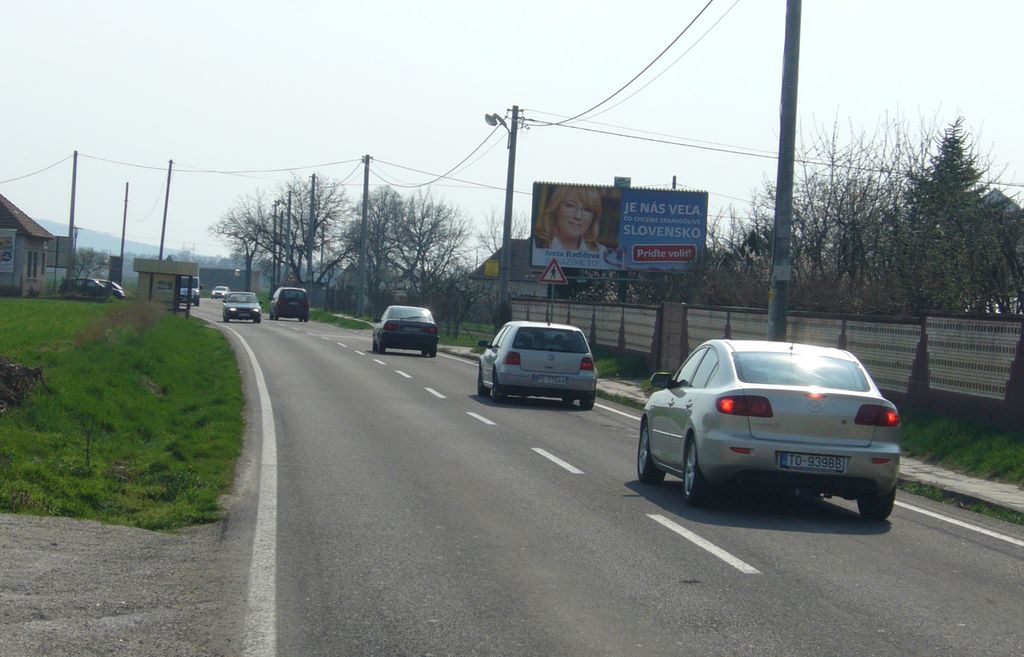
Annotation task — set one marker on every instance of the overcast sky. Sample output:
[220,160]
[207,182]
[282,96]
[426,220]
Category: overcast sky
[311,86]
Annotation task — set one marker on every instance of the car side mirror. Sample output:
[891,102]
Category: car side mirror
[661,380]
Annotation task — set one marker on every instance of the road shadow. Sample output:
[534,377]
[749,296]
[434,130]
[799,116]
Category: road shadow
[758,507]
[529,403]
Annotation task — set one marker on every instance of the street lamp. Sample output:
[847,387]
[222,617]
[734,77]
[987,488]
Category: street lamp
[504,312]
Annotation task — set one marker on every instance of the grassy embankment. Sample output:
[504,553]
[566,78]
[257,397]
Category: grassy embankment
[140,421]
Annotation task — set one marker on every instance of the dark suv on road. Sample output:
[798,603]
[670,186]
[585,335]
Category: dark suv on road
[290,302]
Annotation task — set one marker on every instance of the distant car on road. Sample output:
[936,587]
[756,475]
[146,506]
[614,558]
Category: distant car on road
[537,359]
[219,292]
[406,327]
[795,416]
[242,305]
[84,288]
[290,302]
[189,296]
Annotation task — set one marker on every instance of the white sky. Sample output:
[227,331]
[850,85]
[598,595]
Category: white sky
[253,85]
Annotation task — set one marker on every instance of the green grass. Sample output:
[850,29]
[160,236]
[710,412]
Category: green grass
[971,448]
[140,421]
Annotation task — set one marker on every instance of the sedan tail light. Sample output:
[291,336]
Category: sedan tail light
[587,364]
[876,415]
[390,326]
[513,358]
[751,405]
[432,330]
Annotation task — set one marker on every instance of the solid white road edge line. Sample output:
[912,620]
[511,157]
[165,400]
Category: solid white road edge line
[557,461]
[435,393]
[617,411]
[960,523]
[738,564]
[480,417]
[402,373]
[461,360]
[261,623]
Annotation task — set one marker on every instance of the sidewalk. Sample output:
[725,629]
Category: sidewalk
[952,484]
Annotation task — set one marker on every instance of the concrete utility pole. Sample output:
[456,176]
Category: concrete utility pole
[71,219]
[782,266]
[506,231]
[124,228]
[361,294]
[312,234]
[273,250]
[288,237]
[167,197]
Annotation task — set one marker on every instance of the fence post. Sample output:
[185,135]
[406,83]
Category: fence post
[842,337]
[917,386]
[1015,383]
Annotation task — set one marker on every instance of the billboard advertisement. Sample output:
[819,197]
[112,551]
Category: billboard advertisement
[7,236]
[617,228]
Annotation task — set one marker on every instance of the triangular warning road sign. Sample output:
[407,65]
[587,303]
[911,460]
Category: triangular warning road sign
[553,274]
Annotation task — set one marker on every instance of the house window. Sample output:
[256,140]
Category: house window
[33,264]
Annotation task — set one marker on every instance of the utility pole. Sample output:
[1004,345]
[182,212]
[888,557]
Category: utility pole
[124,228]
[71,219]
[309,240]
[167,197]
[361,294]
[288,237]
[504,311]
[273,250]
[782,266]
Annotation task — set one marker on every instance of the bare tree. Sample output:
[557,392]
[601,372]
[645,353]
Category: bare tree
[88,262]
[490,237]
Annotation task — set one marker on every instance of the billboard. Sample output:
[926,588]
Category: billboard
[617,228]
[7,237]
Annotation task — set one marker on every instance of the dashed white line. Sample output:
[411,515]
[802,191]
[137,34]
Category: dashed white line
[736,563]
[435,393]
[554,459]
[480,417]
[379,361]
[960,523]
[360,352]
[403,374]
[342,344]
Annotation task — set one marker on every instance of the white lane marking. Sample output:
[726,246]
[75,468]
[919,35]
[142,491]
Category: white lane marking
[480,417]
[960,523]
[615,410]
[554,459]
[435,393]
[310,333]
[261,622]
[403,374]
[736,563]
[461,360]
[379,361]
[360,353]
[342,344]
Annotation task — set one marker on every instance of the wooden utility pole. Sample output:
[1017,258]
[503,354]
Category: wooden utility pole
[71,219]
[167,198]
[124,228]
[361,293]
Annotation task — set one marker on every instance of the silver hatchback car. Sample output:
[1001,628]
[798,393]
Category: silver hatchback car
[537,359]
[805,417]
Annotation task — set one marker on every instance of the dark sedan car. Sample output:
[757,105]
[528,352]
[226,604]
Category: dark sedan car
[406,327]
[84,288]
[242,305]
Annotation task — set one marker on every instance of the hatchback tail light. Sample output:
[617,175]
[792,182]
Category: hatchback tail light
[876,415]
[512,358]
[432,330]
[587,364]
[750,405]
[390,326]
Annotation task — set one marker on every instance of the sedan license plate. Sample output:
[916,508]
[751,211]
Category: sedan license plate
[812,462]
[550,380]
[411,329]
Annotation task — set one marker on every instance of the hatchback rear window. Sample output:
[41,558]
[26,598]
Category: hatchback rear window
[293,295]
[545,339]
[788,369]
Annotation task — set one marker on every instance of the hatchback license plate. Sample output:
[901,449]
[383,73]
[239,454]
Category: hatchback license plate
[549,380]
[812,462]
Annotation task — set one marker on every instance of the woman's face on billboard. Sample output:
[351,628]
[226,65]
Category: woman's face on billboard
[573,222]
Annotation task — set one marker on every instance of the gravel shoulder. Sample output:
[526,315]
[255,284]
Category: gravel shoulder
[73,588]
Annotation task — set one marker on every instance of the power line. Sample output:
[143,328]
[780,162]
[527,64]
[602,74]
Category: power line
[28,175]
[645,69]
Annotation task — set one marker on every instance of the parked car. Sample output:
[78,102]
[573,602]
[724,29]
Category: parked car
[802,417]
[290,302]
[84,288]
[242,305]
[186,295]
[405,327]
[537,359]
[115,288]
[219,292]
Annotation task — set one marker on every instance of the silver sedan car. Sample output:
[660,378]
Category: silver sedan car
[537,359]
[805,417]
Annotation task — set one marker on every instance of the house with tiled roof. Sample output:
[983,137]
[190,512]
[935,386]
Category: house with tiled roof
[23,245]
[522,279]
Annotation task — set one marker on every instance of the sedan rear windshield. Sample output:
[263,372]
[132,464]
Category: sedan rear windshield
[545,339]
[790,369]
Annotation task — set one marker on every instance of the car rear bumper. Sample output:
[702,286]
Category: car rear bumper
[517,382]
[396,340]
[874,468]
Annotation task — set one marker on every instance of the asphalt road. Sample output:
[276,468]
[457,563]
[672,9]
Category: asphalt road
[400,514]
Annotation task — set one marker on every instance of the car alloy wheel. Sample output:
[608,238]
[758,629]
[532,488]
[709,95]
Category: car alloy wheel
[646,471]
[694,484]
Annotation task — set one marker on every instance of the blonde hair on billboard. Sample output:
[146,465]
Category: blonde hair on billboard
[547,221]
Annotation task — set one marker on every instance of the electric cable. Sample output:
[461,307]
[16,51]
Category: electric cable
[28,175]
